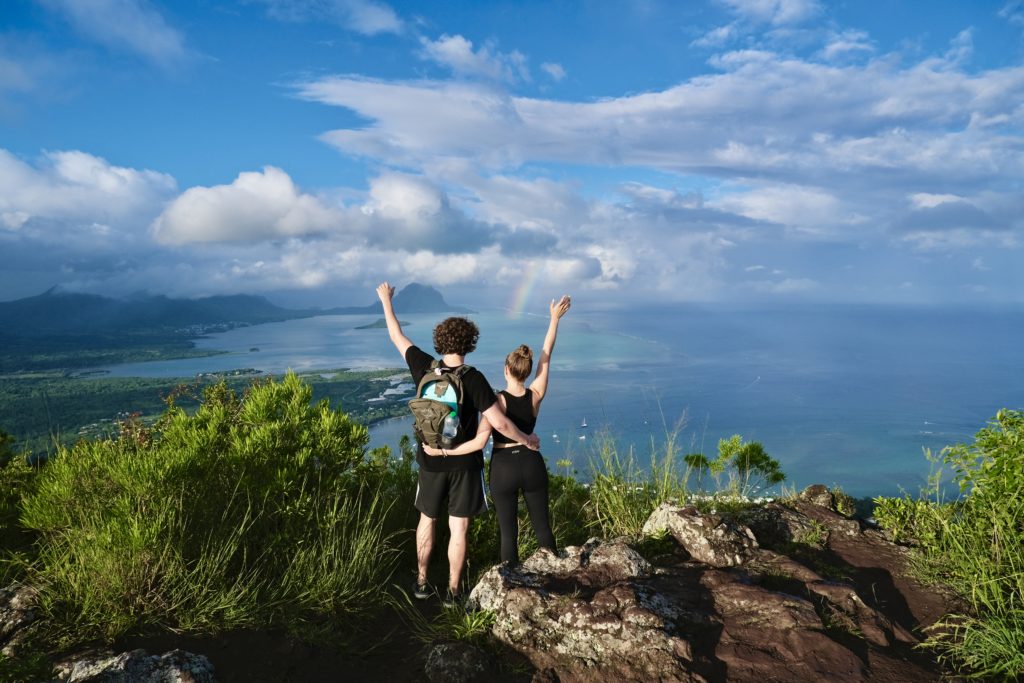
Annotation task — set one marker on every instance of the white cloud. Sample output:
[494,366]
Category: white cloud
[776,12]
[554,70]
[927,200]
[256,206]
[362,16]
[765,113]
[64,193]
[132,25]
[803,208]
[718,36]
[457,53]
[847,43]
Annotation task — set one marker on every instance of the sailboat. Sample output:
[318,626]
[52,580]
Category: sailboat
[584,424]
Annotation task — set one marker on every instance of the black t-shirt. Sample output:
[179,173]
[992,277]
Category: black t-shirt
[477,396]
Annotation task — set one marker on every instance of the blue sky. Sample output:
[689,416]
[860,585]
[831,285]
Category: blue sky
[726,150]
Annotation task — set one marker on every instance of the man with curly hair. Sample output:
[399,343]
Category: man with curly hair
[458,478]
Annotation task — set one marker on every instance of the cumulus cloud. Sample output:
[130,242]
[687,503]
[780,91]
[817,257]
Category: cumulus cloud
[256,206]
[362,16]
[411,213]
[63,194]
[457,53]
[130,25]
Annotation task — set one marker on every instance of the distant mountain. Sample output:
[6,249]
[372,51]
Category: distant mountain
[61,313]
[413,298]
[55,312]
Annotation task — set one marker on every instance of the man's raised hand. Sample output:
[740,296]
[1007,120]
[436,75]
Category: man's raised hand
[385,291]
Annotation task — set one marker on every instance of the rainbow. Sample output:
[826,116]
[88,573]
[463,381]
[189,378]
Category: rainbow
[521,295]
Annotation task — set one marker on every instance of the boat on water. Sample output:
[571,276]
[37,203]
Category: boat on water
[583,425]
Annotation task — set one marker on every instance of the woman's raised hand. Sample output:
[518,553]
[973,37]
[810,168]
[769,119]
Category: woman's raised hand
[560,307]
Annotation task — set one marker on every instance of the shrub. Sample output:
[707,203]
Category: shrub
[17,480]
[976,545]
[256,510]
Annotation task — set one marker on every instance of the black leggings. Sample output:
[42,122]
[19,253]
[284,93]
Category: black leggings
[512,470]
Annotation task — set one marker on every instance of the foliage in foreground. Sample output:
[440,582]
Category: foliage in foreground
[976,545]
[256,510]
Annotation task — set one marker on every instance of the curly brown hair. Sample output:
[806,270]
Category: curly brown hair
[456,335]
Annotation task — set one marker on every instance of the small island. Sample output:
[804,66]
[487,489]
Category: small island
[379,324]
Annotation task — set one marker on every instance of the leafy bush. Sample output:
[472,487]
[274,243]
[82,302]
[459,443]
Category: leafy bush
[976,545]
[912,520]
[258,509]
[980,550]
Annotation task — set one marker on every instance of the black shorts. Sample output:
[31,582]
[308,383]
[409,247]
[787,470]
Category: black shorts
[464,490]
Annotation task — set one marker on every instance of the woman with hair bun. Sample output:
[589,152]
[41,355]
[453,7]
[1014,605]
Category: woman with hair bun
[514,467]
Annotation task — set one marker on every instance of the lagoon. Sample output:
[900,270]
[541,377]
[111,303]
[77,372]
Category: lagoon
[847,395]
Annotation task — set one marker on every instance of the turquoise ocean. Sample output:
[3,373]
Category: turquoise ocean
[839,395]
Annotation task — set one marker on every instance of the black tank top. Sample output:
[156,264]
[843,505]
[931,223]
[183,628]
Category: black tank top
[520,410]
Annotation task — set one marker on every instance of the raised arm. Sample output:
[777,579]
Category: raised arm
[398,338]
[539,385]
[496,416]
[483,432]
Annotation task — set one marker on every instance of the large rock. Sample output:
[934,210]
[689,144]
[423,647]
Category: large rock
[775,525]
[136,666]
[17,611]
[707,538]
[587,618]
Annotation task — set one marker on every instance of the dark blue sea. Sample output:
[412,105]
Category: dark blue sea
[842,395]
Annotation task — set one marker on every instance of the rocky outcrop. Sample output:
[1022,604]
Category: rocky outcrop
[136,666]
[728,609]
[708,538]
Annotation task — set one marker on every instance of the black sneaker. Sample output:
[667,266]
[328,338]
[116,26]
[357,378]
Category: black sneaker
[421,590]
[452,599]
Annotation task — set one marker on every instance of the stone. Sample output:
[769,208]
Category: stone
[458,663]
[775,525]
[17,611]
[707,538]
[818,494]
[176,666]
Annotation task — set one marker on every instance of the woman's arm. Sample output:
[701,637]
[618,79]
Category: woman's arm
[398,338]
[483,432]
[539,385]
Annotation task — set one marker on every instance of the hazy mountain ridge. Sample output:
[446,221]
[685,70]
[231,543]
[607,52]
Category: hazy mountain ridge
[60,313]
